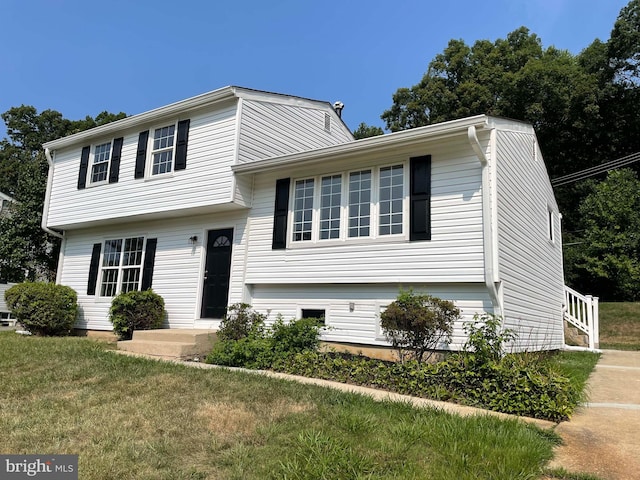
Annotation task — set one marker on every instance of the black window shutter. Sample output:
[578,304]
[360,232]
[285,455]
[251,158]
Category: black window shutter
[279,240]
[149,262]
[420,198]
[94,268]
[181,144]
[84,165]
[141,156]
[114,169]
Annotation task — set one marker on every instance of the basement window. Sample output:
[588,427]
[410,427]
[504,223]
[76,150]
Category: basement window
[314,313]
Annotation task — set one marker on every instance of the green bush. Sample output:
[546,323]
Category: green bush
[136,310]
[240,321]
[486,338]
[295,336]
[43,308]
[244,341]
[415,324]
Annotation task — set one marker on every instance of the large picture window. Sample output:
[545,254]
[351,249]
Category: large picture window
[318,215]
[391,201]
[121,266]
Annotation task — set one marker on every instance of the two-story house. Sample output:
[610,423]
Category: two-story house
[240,195]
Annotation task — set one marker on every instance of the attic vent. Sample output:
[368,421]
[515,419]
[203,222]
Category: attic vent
[327,122]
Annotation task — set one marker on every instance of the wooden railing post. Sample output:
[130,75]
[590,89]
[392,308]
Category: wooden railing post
[589,308]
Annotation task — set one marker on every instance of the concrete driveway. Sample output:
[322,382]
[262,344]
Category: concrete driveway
[603,437]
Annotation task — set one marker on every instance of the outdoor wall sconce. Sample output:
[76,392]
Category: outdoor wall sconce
[193,239]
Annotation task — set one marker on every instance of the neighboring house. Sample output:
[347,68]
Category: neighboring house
[239,195]
[5,200]
[5,315]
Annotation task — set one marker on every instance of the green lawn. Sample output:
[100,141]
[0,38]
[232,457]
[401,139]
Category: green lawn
[135,418]
[620,325]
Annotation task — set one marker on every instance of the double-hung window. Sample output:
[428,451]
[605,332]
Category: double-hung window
[121,265]
[162,150]
[391,200]
[100,165]
[360,204]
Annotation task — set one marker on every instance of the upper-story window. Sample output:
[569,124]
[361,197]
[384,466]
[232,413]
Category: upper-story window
[162,150]
[100,164]
[391,201]
[318,215]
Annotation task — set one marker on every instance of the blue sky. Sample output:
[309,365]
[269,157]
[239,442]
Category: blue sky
[83,57]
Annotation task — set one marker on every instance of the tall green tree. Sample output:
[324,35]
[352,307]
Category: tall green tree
[26,251]
[606,257]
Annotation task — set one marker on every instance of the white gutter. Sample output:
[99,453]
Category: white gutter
[47,198]
[489,245]
[382,143]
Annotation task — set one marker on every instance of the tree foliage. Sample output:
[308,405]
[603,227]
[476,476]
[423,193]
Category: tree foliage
[584,108]
[26,251]
[366,131]
[606,258]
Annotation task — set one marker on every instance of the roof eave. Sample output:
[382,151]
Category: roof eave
[218,95]
[382,142]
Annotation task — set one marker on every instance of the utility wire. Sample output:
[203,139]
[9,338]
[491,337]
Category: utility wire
[590,172]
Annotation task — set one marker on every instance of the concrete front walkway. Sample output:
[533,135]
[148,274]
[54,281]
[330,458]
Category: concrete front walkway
[603,437]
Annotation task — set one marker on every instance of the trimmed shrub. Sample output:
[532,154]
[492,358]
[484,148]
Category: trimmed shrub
[416,324]
[43,308]
[136,310]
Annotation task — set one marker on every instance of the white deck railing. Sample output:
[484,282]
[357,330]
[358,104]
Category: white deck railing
[581,311]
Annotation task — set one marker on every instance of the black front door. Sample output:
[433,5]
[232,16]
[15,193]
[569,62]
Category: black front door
[216,273]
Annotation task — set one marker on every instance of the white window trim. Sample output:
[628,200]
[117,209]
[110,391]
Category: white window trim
[315,306]
[551,229]
[92,156]
[148,174]
[374,224]
[120,266]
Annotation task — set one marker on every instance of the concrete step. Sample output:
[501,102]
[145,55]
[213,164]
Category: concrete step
[171,344]
[176,335]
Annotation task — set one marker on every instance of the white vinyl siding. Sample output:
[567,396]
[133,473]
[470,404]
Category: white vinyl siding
[206,184]
[530,265]
[360,324]
[454,254]
[178,269]
[272,129]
